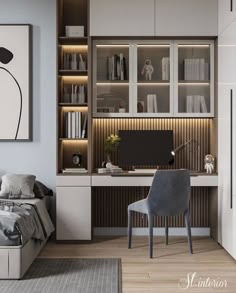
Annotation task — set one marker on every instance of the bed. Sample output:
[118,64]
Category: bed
[19,251]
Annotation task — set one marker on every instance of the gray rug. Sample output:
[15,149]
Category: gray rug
[68,276]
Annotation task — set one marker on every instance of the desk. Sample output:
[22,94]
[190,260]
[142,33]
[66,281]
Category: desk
[201,180]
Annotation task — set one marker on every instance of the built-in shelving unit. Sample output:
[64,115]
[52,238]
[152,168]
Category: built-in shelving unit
[73,87]
[161,78]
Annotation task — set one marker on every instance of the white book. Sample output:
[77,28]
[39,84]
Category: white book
[84,126]
[150,103]
[73,125]
[113,68]
[121,66]
[73,61]
[69,125]
[201,69]
[163,67]
[81,63]
[189,104]
[206,71]
[155,103]
[196,104]
[81,94]
[203,104]
[77,124]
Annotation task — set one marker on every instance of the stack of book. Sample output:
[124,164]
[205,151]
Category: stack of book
[74,61]
[152,104]
[75,93]
[165,68]
[75,170]
[196,104]
[113,169]
[196,69]
[116,67]
[75,124]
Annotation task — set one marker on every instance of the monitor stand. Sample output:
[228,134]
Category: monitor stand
[143,171]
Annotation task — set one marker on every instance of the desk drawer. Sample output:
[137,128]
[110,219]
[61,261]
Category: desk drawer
[81,180]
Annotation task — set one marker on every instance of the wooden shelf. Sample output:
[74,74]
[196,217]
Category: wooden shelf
[73,40]
[73,139]
[73,72]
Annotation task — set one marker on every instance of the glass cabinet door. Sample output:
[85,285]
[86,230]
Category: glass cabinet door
[111,89]
[194,86]
[154,76]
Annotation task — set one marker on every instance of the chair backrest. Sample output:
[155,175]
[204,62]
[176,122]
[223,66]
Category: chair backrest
[169,193]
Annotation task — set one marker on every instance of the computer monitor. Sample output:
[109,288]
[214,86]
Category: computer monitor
[145,148]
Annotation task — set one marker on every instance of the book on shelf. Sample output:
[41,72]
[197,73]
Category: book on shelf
[74,61]
[196,104]
[74,170]
[75,124]
[116,67]
[196,69]
[165,68]
[74,93]
[84,129]
[152,103]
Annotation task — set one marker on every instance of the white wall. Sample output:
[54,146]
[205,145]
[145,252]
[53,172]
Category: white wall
[39,156]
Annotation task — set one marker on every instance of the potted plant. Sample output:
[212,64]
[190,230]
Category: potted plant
[111,144]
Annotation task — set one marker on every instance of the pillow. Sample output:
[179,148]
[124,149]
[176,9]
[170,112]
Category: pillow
[40,190]
[17,186]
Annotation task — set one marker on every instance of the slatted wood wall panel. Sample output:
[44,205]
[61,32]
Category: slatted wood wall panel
[110,204]
[184,129]
[110,208]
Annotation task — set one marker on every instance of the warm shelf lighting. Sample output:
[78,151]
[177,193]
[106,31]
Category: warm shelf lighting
[75,48]
[153,46]
[75,109]
[193,83]
[112,46]
[74,79]
[74,141]
[200,46]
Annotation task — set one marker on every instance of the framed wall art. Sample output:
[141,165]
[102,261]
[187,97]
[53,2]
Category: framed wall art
[15,82]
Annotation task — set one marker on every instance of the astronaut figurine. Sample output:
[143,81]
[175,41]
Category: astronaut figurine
[209,163]
[147,70]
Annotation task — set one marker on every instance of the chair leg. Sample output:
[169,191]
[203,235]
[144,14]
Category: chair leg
[188,226]
[150,238]
[166,229]
[129,229]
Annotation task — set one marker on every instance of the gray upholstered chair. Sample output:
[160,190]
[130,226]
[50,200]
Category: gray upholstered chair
[169,195]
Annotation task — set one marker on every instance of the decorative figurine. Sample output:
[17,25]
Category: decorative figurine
[209,163]
[147,70]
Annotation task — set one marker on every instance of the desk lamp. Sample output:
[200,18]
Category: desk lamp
[182,146]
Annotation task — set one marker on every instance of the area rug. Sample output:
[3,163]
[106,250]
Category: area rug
[68,276]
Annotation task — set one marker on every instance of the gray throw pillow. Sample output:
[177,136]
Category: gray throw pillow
[40,190]
[17,186]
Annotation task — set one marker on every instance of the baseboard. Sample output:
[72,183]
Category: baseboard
[120,231]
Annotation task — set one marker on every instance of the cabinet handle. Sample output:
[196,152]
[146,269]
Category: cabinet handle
[231,5]
[231,148]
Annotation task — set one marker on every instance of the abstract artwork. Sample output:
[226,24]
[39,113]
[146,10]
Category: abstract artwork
[15,82]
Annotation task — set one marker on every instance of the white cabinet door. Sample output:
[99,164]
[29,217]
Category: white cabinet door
[186,18]
[73,207]
[225,212]
[226,14]
[227,55]
[122,18]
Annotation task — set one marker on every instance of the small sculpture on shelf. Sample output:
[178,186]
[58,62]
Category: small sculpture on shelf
[209,161]
[147,70]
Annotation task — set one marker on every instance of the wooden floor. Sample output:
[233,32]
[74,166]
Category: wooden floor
[167,271]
